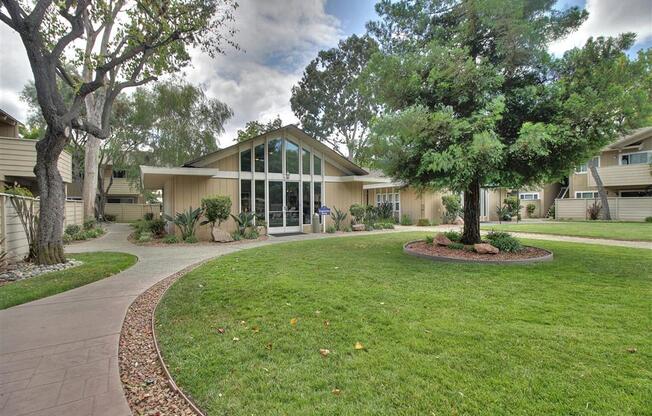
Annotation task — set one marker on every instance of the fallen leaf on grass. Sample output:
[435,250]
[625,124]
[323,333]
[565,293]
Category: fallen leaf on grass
[256,329]
[294,321]
[324,352]
[631,350]
[327,323]
[220,330]
[359,346]
[236,339]
[268,346]
[336,392]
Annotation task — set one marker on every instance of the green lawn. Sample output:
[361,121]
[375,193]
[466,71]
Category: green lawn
[439,338]
[96,266]
[594,229]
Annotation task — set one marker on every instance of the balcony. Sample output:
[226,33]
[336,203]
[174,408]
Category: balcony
[623,175]
[18,157]
[121,186]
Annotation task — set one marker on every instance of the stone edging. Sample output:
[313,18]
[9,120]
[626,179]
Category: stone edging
[406,250]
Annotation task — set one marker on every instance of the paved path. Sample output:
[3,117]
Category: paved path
[58,355]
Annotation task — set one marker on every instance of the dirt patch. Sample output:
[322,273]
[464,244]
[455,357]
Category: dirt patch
[423,249]
[147,387]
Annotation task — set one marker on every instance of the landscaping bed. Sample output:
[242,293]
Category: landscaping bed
[436,252]
[611,230]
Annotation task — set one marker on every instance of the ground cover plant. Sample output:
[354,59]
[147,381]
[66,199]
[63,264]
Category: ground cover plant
[95,266]
[634,231]
[355,326]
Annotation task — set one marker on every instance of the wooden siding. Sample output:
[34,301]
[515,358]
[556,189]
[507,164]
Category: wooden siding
[333,171]
[342,195]
[624,175]
[121,186]
[131,212]
[18,157]
[229,163]
[624,209]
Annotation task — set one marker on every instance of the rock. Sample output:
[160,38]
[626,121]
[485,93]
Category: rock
[458,221]
[358,227]
[442,240]
[221,236]
[485,249]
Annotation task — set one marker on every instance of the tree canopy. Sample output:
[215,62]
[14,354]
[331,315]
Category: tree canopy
[330,101]
[256,128]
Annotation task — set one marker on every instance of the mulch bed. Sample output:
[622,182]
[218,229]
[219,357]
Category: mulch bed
[145,382]
[158,242]
[421,247]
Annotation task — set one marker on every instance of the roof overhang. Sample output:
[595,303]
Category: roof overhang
[386,183]
[154,177]
[634,137]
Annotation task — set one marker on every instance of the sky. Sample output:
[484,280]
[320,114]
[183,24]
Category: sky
[278,38]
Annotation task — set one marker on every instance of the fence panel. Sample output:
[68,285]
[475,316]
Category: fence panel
[131,212]
[74,213]
[624,209]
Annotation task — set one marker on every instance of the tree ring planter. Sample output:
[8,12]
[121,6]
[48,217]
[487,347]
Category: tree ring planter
[444,254]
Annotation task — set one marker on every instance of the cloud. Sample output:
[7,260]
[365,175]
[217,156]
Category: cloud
[611,18]
[15,71]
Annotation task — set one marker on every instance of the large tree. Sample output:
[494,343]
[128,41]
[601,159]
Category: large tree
[472,98]
[330,101]
[256,128]
[150,39]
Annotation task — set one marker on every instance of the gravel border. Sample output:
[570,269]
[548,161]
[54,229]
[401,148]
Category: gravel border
[407,250]
[147,384]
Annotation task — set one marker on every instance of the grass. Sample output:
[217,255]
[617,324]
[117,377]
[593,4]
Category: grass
[439,338]
[96,266]
[628,231]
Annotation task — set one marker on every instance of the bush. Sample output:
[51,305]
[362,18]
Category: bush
[456,246]
[388,226]
[186,221]
[594,211]
[513,204]
[423,222]
[504,242]
[148,216]
[157,227]
[406,220]
[347,229]
[110,217]
[191,239]
[648,219]
[145,238]
[384,226]
[251,234]
[170,239]
[357,213]
[530,208]
[89,224]
[453,205]
[331,229]
[216,210]
[503,213]
[80,236]
[73,229]
[454,236]
[551,211]
[67,238]
[430,239]
[385,212]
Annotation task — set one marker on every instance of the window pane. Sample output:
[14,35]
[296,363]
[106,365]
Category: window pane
[306,162]
[635,159]
[245,161]
[260,199]
[317,165]
[275,156]
[259,154]
[317,202]
[275,204]
[291,157]
[307,213]
[245,195]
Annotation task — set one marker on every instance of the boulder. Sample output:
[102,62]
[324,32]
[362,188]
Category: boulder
[485,249]
[442,240]
[221,236]
[458,221]
[358,227]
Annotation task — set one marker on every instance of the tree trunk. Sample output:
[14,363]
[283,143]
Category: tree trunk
[602,193]
[471,234]
[89,188]
[52,196]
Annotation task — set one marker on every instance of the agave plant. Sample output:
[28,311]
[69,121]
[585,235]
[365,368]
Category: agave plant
[186,221]
[338,217]
[244,220]
[385,211]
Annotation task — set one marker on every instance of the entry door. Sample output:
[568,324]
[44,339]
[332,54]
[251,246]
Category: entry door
[284,207]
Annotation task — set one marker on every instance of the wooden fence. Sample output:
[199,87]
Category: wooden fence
[623,209]
[131,212]
[12,232]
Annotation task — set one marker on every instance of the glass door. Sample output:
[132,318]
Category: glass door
[292,207]
[275,209]
[284,207]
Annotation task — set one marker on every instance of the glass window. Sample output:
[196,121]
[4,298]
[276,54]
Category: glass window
[260,199]
[586,195]
[259,155]
[317,196]
[245,160]
[119,173]
[634,194]
[307,213]
[635,159]
[584,167]
[275,156]
[529,196]
[275,204]
[316,165]
[291,157]
[306,161]
[245,195]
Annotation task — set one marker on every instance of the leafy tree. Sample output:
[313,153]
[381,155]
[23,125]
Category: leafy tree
[256,128]
[149,39]
[216,210]
[329,100]
[472,98]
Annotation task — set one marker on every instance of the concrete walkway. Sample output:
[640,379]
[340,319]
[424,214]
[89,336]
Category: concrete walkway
[58,355]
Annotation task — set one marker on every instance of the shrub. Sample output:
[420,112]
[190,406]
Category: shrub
[338,218]
[388,226]
[513,204]
[551,211]
[453,205]
[357,213]
[370,216]
[73,229]
[110,217]
[430,239]
[216,210]
[504,242]
[236,236]
[145,238]
[384,226]
[80,236]
[90,234]
[244,221]
[66,238]
[385,212]
[251,234]
[423,222]
[186,221]
[456,246]
[148,216]
[530,208]
[170,239]
[503,213]
[89,223]
[454,236]
[331,229]
[594,210]
[157,227]
[191,239]
[648,219]
[406,220]
[347,229]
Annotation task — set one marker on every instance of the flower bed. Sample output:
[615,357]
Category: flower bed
[421,248]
